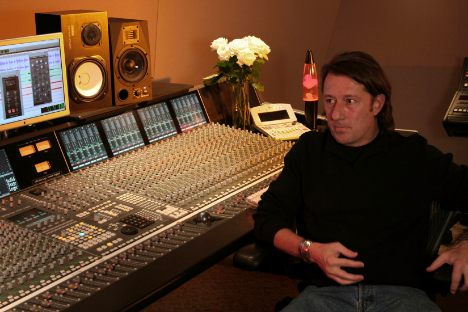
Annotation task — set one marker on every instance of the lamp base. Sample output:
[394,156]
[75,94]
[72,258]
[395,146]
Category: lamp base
[310,110]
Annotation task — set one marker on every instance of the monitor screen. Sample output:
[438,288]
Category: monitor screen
[83,146]
[157,122]
[189,111]
[30,217]
[122,133]
[33,85]
[8,182]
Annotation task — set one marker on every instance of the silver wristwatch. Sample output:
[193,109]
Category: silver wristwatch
[304,250]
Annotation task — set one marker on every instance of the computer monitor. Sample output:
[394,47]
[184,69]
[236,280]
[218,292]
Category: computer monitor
[33,80]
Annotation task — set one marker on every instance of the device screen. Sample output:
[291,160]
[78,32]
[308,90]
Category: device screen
[272,116]
[122,133]
[30,218]
[157,122]
[32,82]
[8,182]
[83,146]
[189,111]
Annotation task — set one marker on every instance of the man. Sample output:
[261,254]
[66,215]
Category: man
[360,194]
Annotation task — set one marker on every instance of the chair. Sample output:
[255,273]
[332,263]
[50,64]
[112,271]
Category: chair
[440,223]
[259,256]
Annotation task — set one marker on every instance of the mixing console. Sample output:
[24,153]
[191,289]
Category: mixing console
[65,240]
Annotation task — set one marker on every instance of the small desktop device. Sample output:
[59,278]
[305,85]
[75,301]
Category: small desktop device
[456,117]
[33,81]
[277,121]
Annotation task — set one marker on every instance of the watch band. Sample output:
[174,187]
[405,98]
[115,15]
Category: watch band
[304,250]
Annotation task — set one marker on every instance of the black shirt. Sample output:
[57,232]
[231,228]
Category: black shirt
[374,201]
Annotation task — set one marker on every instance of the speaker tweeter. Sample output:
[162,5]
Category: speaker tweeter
[91,34]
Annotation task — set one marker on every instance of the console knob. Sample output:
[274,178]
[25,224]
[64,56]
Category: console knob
[129,230]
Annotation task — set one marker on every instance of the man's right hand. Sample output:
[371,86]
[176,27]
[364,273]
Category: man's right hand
[326,256]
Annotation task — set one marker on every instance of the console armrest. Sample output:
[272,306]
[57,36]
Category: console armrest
[250,257]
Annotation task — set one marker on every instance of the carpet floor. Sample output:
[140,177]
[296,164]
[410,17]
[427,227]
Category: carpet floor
[225,288]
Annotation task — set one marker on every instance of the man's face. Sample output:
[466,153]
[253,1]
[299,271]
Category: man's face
[351,110]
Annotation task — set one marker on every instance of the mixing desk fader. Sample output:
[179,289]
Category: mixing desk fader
[65,240]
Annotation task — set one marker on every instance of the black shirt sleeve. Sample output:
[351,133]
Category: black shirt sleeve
[280,203]
[450,189]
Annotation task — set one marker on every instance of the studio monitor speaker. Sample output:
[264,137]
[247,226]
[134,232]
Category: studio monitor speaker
[131,68]
[87,55]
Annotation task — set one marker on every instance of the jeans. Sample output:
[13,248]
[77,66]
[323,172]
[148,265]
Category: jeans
[369,298]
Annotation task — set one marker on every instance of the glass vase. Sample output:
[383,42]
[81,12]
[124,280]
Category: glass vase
[240,106]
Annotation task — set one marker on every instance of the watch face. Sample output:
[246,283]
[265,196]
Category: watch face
[304,250]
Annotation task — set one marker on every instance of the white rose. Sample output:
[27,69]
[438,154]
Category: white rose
[258,46]
[246,57]
[217,43]
[238,45]
[224,52]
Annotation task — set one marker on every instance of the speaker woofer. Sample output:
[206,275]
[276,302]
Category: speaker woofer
[132,65]
[88,78]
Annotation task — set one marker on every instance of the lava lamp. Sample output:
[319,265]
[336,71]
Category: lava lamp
[310,91]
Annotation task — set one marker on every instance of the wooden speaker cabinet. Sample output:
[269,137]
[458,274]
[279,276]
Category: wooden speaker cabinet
[87,55]
[131,65]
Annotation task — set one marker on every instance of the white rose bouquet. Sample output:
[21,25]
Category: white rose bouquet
[241,60]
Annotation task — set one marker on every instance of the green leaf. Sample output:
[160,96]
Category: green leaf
[226,69]
[234,80]
[256,72]
[209,79]
[213,79]
[211,68]
[221,64]
[236,66]
[233,59]
[259,86]
[258,62]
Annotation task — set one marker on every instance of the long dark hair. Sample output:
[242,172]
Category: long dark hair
[364,69]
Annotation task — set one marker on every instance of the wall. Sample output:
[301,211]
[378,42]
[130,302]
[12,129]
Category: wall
[420,44]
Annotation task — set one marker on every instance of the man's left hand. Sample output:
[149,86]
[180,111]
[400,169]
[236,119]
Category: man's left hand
[458,258]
